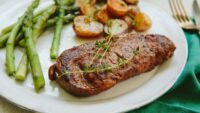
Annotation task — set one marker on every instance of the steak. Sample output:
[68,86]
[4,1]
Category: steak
[90,68]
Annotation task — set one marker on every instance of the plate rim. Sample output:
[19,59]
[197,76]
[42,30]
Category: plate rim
[145,102]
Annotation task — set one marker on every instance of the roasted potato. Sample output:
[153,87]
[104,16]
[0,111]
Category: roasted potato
[83,2]
[117,8]
[86,27]
[142,22]
[103,15]
[129,21]
[134,2]
[115,27]
[133,10]
[87,9]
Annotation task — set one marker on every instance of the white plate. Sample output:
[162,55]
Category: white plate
[127,95]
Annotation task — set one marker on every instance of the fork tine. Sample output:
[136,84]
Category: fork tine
[184,11]
[177,13]
[180,10]
[173,10]
[180,15]
[171,7]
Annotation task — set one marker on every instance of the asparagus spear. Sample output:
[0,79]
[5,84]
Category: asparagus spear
[40,23]
[39,13]
[68,2]
[37,29]
[71,9]
[3,40]
[52,21]
[22,68]
[67,10]
[32,54]
[67,19]
[49,23]
[59,25]
[10,64]
[10,27]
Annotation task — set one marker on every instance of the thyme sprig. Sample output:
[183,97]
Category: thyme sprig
[106,50]
[103,67]
[98,69]
[136,51]
[105,45]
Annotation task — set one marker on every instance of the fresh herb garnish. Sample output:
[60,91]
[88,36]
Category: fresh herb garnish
[109,23]
[88,18]
[100,56]
[136,51]
[107,67]
[102,67]
[134,23]
[100,44]
[86,68]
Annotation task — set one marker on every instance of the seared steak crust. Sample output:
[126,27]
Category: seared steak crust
[141,53]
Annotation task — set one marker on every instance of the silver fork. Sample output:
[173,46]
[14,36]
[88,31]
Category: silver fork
[180,15]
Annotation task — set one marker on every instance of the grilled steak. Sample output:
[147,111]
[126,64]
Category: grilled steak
[88,70]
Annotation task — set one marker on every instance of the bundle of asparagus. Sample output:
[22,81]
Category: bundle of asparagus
[25,33]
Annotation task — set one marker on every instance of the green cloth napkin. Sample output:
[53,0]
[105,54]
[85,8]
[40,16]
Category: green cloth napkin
[184,96]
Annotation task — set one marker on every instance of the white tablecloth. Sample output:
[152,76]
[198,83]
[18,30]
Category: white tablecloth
[6,107]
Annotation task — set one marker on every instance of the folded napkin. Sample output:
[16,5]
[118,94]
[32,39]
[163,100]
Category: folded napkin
[184,96]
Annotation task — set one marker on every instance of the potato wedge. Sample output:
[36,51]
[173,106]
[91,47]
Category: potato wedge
[87,27]
[115,27]
[142,22]
[117,8]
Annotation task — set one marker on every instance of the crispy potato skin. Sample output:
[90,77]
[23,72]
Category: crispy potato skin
[87,9]
[129,18]
[126,10]
[103,15]
[83,2]
[86,29]
[117,8]
[133,2]
[133,11]
[129,21]
[142,22]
